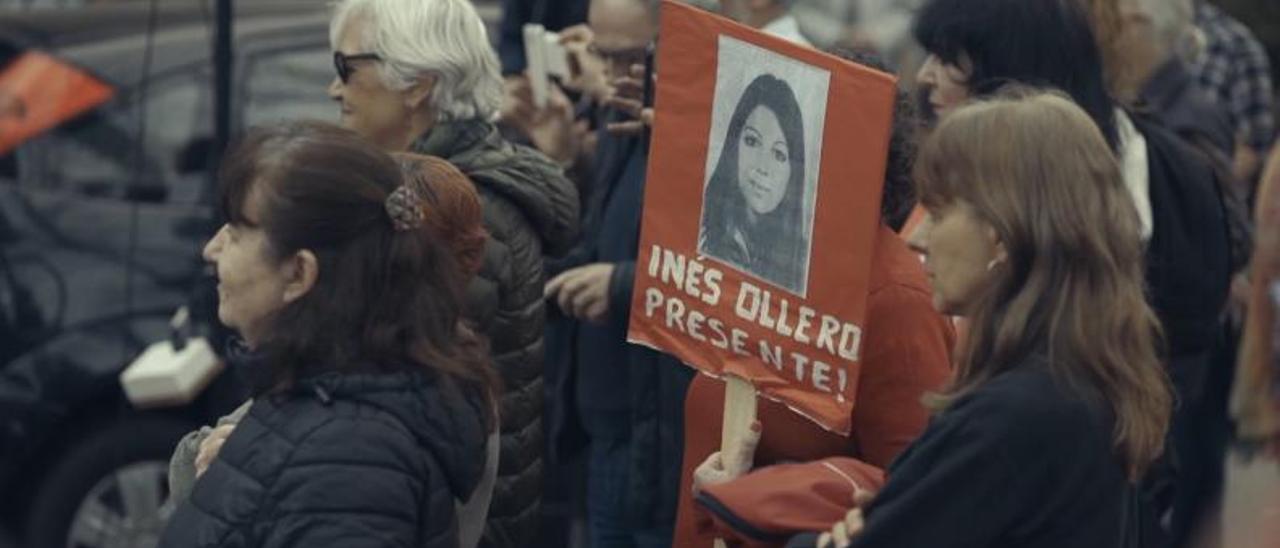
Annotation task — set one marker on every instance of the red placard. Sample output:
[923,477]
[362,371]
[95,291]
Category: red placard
[762,201]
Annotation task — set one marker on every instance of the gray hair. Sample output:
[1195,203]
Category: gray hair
[442,39]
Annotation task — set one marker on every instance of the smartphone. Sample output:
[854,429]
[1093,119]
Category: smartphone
[547,58]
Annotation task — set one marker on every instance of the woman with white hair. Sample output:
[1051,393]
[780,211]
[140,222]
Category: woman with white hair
[421,76]
[404,65]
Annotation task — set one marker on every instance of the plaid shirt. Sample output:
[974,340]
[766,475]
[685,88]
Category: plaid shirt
[1235,73]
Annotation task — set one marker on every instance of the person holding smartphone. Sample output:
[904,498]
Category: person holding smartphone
[619,404]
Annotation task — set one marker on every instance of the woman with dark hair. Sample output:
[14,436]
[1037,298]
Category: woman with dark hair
[753,216]
[987,44]
[453,209]
[372,402]
[1189,238]
[1059,404]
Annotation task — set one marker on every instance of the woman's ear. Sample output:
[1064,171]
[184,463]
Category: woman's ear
[999,253]
[304,268]
[417,95]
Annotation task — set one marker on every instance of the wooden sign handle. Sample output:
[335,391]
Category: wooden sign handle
[739,413]
[739,410]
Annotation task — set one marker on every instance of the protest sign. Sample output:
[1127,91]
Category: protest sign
[761,206]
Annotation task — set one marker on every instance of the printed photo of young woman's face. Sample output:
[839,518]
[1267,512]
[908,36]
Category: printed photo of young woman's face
[764,169]
[763,156]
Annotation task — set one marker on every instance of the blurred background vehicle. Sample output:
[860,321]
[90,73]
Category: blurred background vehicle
[102,220]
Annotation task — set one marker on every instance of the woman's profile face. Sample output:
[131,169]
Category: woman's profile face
[251,283]
[958,250]
[764,167]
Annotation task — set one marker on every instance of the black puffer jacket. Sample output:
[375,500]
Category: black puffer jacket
[357,460]
[530,210]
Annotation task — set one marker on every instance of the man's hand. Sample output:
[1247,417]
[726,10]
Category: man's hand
[552,129]
[210,447]
[729,464]
[628,97]
[587,70]
[582,292]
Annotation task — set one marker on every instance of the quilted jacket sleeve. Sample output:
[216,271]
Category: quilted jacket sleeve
[358,483]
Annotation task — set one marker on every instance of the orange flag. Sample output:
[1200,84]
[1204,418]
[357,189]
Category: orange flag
[38,92]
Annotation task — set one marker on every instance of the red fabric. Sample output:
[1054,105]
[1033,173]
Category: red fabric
[908,347]
[787,499]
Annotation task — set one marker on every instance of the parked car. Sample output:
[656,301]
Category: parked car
[101,228]
[100,235]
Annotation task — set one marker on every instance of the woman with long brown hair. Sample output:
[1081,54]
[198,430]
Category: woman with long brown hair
[372,402]
[1059,403]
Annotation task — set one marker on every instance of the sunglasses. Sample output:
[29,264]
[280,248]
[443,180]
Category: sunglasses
[342,63]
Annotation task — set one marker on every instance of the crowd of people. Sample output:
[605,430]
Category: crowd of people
[1070,309]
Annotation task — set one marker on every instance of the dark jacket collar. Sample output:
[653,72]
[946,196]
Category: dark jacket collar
[444,419]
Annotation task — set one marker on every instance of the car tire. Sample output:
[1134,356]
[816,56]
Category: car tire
[129,451]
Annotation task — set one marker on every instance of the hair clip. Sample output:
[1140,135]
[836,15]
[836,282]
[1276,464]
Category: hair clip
[404,206]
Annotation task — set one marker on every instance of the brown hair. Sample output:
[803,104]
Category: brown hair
[1037,169]
[384,300]
[454,210]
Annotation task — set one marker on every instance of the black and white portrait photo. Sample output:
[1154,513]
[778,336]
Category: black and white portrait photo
[762,164]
